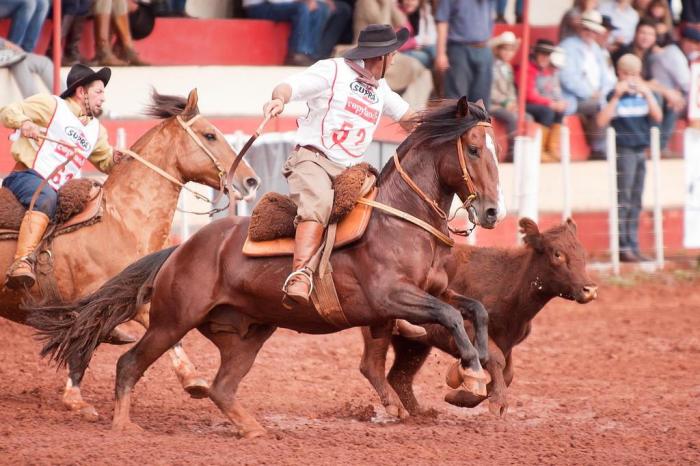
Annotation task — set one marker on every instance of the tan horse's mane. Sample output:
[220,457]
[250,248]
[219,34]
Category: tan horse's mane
[164,106]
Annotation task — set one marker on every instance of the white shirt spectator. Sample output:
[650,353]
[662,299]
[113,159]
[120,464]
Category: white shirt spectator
[623,17]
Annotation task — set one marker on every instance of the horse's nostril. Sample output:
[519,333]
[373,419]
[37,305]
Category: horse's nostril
[491,213]
[251,182]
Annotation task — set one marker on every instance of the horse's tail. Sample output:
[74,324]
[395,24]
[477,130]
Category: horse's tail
[72,332]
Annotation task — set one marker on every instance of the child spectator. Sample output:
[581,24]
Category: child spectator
[421,27]
[504,98]
[543,97]
[632,109]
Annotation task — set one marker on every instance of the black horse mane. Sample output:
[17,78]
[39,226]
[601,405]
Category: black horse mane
[165,106]
[440,125]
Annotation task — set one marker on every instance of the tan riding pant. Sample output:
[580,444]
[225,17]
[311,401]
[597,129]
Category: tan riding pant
[310,177]
[113,7]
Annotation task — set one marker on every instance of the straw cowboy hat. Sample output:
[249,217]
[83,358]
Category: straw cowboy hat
[505,38]
[81,75]
[377,40]
[593,21]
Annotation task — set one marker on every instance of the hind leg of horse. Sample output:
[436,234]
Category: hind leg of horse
[237,357]
[409,358]
[373,367]
[186,373]
[73,398]
[134,363]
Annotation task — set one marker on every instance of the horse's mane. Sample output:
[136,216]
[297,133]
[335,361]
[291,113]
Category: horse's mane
[165,106]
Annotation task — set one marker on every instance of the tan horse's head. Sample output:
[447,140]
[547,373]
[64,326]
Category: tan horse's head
[201,152]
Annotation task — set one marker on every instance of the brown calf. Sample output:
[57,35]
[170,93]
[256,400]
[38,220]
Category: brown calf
[514,285]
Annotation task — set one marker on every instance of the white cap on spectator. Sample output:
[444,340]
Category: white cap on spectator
[593,20]
[505,38]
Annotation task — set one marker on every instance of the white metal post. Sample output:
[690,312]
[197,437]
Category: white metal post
[565,148]
[121,139]
[526,158]
[658,213]
[611,150]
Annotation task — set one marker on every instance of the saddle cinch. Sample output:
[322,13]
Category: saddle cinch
[271,231]
[79,205]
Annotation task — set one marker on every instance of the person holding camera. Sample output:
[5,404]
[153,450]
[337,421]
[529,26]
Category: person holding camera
[632,108]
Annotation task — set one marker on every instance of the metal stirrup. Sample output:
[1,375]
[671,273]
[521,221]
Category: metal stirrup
[304,272]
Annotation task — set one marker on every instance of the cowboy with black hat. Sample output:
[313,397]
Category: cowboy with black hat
[39,120]
[346,98]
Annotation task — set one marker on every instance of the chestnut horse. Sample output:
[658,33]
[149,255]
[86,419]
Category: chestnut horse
[514,285]
[395,271]
[139,209]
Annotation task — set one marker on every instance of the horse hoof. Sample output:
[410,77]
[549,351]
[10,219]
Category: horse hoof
[197,388]
[468,373]
[89,413]
[127,427]
[498,409]
[253,434]
[463,399]
[397,412]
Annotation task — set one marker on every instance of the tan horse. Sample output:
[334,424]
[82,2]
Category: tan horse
[139,209]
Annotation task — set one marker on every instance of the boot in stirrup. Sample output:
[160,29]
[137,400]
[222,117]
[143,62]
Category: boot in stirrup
[21,274]
[307,240]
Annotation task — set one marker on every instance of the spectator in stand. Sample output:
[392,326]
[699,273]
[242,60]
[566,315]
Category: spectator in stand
[421,27]
[585,80]
[464,28]
[690,12]
[659,11]
[501,11]
[669,68]
[632,108]
[307,18]
[642,45]
[406,76]
[641,6]
[504,98]
[27,17]
[571,21]
[116,12]
[624,17]
[23,66]
[543,97]
[72,23]
[690,44]
[339,19]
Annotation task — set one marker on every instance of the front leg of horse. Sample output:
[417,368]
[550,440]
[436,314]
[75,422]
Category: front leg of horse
[186,373]
[476,313]
[418,307]
[498,402]
[373,367]
[73,398]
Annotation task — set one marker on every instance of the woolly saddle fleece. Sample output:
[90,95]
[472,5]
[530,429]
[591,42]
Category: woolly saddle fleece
[72,199]
[273,216]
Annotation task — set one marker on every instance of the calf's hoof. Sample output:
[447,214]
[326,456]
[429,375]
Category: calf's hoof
[463,398]
[89,413]
[498,408]
[197,388]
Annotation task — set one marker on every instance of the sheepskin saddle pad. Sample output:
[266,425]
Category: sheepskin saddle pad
[79,203]
[271,231]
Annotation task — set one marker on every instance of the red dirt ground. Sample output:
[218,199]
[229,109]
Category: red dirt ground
[615,381]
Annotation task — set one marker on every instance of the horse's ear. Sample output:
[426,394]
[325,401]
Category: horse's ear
[571,225]
[191,108]
[480,103]
[531,234]
[462,107]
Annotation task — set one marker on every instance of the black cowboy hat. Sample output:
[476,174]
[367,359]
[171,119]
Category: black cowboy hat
[142,21]
[377,40]
[544,46]
[81,75]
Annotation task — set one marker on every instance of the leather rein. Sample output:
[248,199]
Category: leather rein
[467,204]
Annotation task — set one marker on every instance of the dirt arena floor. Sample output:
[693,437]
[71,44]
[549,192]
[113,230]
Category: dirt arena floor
[613,382]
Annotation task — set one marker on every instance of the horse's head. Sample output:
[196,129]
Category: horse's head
[559,261]
[200,150]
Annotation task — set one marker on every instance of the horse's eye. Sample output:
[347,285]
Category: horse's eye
[210,136]
[473,151]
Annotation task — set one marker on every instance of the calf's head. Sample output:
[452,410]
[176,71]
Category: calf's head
[559,261]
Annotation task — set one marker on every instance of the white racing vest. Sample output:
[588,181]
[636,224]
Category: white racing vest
[66,127]
[342,120]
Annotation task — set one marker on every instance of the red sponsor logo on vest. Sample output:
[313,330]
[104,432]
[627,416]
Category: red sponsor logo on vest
[362,110]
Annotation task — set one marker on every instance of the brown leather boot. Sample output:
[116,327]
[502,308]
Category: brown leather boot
[307,240]
[121,24]
[408,330]
[20,274]
[71,51]
[103,45]
[554,142]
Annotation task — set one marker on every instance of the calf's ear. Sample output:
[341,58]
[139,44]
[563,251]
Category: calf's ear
[571,224]
[531,234]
